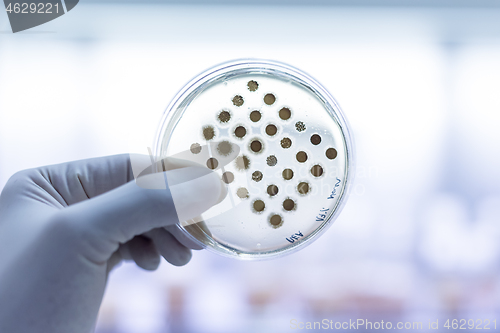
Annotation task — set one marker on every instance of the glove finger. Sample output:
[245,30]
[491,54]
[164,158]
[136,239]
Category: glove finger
[142,165]
[169,247]
[125,251]
[130,210]
[78,181]
[144,253]
[114,260]
[73,182]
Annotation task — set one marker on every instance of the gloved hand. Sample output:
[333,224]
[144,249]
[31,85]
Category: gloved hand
[63,227]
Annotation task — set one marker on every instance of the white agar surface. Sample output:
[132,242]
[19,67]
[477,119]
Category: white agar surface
[234,224]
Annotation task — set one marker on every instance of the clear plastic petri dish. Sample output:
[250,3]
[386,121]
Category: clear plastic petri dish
[280,143]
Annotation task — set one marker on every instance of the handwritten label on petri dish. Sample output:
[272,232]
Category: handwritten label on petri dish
[296,236]
[334,192]
[322,215]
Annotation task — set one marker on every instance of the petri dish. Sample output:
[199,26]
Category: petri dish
[291,174]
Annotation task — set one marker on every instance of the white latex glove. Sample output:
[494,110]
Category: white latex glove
[63,227]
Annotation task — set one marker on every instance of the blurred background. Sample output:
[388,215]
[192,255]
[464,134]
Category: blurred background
[419,81]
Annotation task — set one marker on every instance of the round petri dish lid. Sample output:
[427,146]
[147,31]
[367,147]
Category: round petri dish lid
[279,142]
